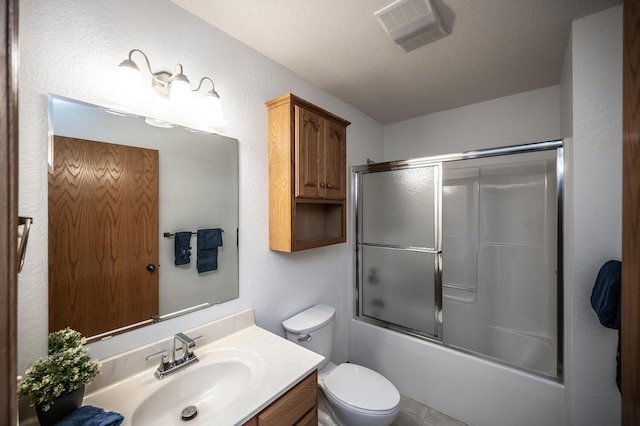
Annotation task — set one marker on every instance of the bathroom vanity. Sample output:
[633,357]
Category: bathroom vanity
[245,375]
[299,406]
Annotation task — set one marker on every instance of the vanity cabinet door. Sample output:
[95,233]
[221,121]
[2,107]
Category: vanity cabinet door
[311,419]
[296,407]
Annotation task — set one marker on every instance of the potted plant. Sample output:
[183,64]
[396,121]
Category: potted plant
[56,383]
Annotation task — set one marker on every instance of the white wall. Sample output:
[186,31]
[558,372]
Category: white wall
[511,120]
[597,207]
[566,122]
[72,48]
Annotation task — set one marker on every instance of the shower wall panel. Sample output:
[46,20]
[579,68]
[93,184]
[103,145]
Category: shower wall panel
[460,189]
[507,232]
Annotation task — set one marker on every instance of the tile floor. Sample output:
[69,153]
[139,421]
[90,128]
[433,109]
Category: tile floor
[414,413]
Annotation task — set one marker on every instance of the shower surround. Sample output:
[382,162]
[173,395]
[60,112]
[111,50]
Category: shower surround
[461,252]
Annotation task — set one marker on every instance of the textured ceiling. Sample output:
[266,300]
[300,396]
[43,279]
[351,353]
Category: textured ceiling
[495,48]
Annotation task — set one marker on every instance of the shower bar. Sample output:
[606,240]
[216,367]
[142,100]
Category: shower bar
[466,155]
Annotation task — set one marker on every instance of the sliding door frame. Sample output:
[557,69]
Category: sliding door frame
[356,171]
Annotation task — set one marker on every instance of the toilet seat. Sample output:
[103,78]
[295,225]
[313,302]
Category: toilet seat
[362,390]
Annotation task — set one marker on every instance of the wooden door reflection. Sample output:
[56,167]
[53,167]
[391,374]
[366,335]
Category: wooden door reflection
[103,235]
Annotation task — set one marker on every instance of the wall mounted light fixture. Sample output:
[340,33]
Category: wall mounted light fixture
[175,87]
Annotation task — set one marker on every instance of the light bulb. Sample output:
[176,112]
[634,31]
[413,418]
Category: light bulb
[180,92]
[211,109]
[129,79]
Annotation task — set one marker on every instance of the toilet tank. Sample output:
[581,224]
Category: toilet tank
[313,329]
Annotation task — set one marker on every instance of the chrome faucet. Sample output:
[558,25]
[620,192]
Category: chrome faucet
[182,343]
[186,347]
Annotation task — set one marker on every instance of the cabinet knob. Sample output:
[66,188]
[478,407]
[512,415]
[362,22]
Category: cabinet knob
[329,186]
[322,185]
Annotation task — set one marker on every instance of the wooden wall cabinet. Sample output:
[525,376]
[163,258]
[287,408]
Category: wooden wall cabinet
[307,175]
[299,406]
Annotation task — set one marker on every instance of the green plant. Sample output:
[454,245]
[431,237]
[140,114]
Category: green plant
[67,367]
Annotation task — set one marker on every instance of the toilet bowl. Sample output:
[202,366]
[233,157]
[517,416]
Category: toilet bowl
[352,394]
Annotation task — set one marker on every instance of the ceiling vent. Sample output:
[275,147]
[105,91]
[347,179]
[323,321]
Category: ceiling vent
[411,23]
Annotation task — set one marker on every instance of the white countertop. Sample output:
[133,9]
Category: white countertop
[282,364]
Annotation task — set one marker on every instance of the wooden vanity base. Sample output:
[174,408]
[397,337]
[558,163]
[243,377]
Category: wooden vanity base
[299,406]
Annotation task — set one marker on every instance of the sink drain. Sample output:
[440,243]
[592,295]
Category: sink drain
[189,413]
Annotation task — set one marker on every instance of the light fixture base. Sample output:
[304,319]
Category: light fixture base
[160,83]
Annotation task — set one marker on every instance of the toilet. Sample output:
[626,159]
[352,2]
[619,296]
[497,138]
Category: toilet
[352,395]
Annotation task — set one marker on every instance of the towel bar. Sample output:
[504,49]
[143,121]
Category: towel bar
[172,234]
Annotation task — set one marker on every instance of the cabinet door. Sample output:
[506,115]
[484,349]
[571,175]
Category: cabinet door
[309,157]
[335,161]
[293,406]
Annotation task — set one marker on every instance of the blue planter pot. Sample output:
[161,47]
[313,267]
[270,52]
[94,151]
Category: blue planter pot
[61,407]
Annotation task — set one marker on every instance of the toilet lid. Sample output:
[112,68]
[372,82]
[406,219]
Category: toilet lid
[361,387]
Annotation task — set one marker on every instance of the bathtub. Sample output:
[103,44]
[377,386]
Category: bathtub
[473,390]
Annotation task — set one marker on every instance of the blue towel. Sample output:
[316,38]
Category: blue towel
[208,242]
[182,248]
[605,300]
[91,416]
[605,296]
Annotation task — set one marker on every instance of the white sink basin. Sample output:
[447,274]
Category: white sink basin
[212,385]
[242,369]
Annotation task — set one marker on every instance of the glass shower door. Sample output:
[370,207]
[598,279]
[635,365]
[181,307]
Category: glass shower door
[466,249]
[398,245]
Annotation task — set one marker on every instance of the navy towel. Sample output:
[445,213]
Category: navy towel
[605,300]
[208,242]
[182,248]
[605,296]
[91,416]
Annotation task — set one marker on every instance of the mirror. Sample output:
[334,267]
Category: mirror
[112,266]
